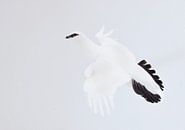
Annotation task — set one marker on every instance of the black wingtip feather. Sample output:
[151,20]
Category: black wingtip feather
[152,71]
[160,82]
[148,66]
[142,62]
[156,78]
[141,90]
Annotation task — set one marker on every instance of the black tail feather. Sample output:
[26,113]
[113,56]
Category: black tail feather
[152,72]
[141,90]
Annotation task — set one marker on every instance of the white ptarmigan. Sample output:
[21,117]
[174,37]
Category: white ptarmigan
[115,66]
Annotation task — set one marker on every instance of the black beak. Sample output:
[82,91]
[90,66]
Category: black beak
[72,35]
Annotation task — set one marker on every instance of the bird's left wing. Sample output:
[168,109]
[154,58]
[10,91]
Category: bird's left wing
[102,80]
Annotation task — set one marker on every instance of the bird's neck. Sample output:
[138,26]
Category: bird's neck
[88,45]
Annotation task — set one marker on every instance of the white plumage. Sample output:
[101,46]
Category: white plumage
[114,66]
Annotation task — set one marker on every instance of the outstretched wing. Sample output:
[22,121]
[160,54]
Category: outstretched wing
[141,90]
[103,79]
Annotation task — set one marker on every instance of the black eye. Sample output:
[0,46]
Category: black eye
[72,35]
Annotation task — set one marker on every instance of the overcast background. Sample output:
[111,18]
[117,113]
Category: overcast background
[41,74]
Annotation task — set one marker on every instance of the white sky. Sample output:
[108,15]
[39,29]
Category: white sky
[41,74]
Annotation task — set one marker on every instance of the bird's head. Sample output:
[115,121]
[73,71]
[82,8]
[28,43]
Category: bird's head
[77,37]
[73,35]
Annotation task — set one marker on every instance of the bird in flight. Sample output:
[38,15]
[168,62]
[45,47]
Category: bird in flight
[114,66]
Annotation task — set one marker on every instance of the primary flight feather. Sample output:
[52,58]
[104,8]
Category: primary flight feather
[114,66]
